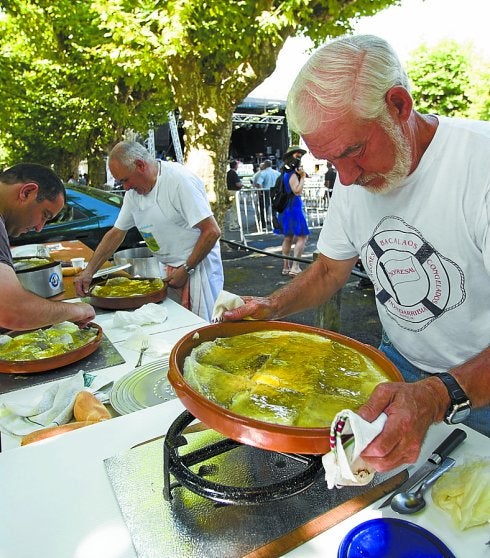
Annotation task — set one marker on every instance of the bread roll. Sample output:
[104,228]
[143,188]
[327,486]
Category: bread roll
[70,271]
[88,407]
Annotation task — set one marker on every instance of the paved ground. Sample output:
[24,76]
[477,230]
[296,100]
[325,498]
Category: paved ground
[257,273]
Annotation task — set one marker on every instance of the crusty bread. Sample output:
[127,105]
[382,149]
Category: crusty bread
[88,407]
[70,271]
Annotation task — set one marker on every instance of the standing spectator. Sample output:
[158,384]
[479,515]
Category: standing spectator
[257,169]
[169,206]
[72,179]
[265,180]
[330,177]
[234,184]
[292,222]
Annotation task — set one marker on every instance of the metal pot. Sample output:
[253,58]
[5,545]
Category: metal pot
[142,260]
[45,280]
[276,437]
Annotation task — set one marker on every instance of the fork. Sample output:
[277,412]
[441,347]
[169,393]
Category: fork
[145,345]
[103,393]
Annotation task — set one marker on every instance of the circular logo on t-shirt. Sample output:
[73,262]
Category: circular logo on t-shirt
[413,282]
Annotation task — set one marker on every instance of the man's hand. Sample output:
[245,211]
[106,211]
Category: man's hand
[411,409]
[82,282]
[176,278]
[255,308]
[80,313]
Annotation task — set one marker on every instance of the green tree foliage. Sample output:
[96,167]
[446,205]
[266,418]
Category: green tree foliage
[117,64]
[450,80]
[61,102]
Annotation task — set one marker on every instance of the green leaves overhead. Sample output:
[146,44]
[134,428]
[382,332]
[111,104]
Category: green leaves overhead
[79,72]
[449,79]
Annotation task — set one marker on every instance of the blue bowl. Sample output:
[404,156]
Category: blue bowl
[391,538]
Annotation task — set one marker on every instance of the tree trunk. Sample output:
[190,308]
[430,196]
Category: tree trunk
[207,107]
[97,175]
[207,156]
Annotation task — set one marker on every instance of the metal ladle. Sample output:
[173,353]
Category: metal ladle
[411,502]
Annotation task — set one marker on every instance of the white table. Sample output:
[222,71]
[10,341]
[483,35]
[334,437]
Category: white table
[56,500]
[179,321]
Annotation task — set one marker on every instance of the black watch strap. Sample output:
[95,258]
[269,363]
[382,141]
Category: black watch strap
[460,404]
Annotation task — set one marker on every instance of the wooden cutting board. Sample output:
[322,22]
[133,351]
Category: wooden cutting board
[307,531]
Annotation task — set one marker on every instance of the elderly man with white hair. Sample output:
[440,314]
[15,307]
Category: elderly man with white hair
[413,203]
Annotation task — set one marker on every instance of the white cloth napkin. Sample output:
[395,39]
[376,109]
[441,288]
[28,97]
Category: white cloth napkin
[349,435]
[156,347]
[147,314]
[53,409]
[225,301]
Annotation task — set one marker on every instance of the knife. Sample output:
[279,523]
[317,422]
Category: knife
[442,451]
[108,270]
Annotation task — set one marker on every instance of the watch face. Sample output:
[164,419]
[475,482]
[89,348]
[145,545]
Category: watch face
[459,413]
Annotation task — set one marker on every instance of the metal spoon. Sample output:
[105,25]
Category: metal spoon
[411,502]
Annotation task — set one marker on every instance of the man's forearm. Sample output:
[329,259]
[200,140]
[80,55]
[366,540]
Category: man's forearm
[205,243]
[108,245]
[474,377]
[311,288]
[32,312]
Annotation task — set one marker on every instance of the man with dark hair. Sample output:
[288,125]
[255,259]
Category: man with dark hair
[49,184]
[30,195]
[233,184]
[233,181]
[330,177]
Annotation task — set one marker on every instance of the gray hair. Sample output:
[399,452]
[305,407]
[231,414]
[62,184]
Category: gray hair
[352,73]
[128,152]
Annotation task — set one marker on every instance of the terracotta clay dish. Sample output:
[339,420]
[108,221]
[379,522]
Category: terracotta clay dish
[126,302]
[50,363]
[269,436]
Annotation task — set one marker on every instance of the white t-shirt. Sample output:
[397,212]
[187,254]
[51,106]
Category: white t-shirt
[181,198]
[426,247]
[166,218]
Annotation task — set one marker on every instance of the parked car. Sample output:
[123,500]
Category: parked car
[87,215]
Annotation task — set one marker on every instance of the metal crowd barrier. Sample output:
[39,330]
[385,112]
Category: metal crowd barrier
[255,217]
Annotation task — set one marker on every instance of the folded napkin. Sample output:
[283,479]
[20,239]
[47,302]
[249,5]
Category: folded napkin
[53,409]
[147,314]
[156,347]
[349,435]
[225,301]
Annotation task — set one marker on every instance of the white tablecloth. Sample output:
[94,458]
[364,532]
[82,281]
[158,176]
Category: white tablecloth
[57,501]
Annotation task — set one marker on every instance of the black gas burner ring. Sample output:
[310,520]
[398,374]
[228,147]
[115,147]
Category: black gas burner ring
[179,467]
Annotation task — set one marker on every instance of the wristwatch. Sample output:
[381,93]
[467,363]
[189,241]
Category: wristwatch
[460,406]
[190,270]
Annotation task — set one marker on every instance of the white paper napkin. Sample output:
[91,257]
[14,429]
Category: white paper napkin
[156,347]
[150,313]
[53,409]
[225,301]
[349,435]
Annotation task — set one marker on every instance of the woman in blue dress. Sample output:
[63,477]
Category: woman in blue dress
[292,221]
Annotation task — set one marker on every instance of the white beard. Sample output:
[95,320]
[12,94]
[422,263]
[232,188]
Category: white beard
[401,168]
